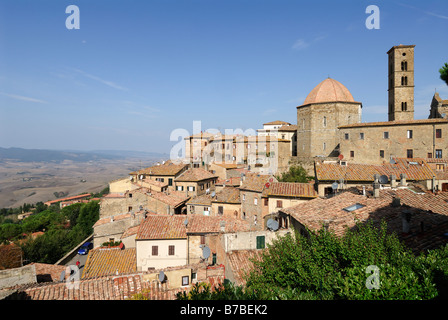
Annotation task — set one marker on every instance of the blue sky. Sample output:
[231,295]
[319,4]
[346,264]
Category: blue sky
[137,70]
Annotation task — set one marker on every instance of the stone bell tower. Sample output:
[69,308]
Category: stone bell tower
[401,83]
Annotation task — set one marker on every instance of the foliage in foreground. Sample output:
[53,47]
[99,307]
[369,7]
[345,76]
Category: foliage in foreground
[323,266]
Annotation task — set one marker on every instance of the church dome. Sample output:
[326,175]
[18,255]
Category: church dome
[329,90]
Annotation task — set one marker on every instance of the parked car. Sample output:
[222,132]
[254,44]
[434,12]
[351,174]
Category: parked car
[85,248]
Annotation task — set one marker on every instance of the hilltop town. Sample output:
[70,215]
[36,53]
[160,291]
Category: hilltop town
[205,216]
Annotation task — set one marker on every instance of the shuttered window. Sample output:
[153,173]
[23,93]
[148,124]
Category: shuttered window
[260,242]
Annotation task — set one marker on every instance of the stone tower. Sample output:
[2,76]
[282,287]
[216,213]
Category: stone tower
[401,83]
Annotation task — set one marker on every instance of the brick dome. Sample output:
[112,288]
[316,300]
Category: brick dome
[329,90]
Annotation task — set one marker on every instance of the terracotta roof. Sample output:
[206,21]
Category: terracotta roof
[291,127]
[109,261]
[213,224]
[365,172]
[427,208]
[227,195]
[172,198]
[162,227]
[81,196]
[276,122]
[168,169]
[394,123]
[231,181]
[240,262]
[118,217]
[329,90]
[195,174]
[291,189]
[205,199]
[48,272]
[256,182]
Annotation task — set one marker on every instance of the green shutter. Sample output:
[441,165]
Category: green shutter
[260,242]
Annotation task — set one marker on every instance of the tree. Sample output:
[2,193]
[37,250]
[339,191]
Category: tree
[295,174]
[444,73]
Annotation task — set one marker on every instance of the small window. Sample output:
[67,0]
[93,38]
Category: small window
[381,153]
[346,136]
[190,188]
[410,153]
[180,188]
[430,155]
[185,280]
[279,204]
[255,201]
[438,153]
[324,146]
[409,134]
[129,209]
[260,242]
[171,250]
[221,210]
[130,195]
[155,250]
[202,239]
[325,122]
[354,207]
[386,135]
[404,106]
[438,133]
[440,167]
[352,154]
[361,136]
[170,181]
[244,197]
[266,201]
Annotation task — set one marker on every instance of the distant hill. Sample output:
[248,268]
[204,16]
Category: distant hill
[42,155]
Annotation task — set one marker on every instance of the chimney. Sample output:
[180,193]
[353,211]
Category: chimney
[396,202]
[402,179]
[376,190]
[406,219]
[393,181]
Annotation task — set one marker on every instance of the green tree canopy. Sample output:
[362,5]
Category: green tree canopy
[295,174]
[444,73]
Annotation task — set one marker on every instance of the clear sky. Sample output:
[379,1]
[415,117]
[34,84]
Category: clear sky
[136,70]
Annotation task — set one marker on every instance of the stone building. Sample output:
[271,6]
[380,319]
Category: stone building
[328,106]
[401,136]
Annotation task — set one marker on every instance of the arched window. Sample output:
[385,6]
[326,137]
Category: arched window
[404,66]
[402,81]
[405,81]
[404,106]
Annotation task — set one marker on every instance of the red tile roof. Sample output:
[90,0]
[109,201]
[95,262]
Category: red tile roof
[428,208]
[195,174]
[159,227]
[291,189]
[240,262]
[256,182]
[81,196]
[109,261]
[365,172]
[210,224]
[169,168]
[227,195]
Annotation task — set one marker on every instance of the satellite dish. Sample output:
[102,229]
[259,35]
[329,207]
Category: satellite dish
[161,276]
[271,180]
[334,186]
[340,157]
[272,224]
[186,222]
[205,252]
[383,179]
[213,193]
[392,161]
